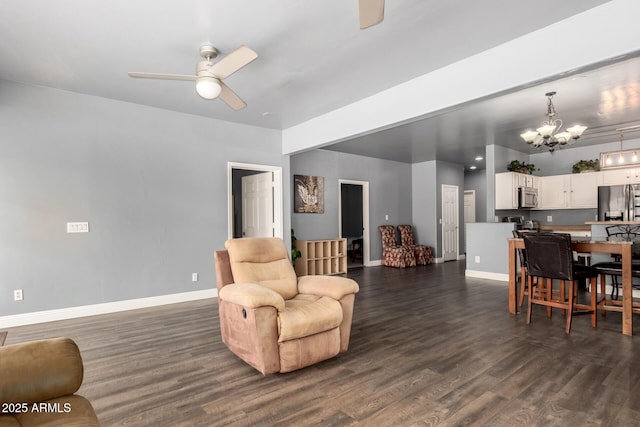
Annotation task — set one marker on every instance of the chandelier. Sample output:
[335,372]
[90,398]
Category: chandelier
[549,135]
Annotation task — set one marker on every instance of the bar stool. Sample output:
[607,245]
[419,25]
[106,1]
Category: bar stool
[549,258]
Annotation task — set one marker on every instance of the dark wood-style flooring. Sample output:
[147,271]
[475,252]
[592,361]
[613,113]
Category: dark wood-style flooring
[428,347]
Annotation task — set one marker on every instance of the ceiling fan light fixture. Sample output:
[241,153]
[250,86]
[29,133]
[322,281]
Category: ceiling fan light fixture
[208,87]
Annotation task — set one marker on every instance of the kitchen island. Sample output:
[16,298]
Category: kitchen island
[487,255]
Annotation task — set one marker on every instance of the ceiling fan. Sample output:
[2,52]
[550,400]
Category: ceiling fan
[209,76]
[371,13]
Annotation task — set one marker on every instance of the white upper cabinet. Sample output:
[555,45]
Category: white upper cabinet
[572,191]
[554,192]
[507,184]
[506,190]
[584,189]
[621,176]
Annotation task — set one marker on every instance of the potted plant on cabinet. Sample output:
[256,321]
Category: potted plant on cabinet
[521,167]
[586,166]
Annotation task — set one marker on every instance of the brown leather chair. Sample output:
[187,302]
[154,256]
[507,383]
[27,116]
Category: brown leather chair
[549,258]
[273,320]
[38,380]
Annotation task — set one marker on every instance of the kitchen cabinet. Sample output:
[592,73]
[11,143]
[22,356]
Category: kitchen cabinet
[507,184]
[621,176]
[572,191]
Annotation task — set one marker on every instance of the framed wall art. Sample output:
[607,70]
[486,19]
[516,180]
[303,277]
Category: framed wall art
[308,194]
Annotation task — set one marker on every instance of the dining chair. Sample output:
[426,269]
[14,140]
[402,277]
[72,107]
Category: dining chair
[523,277]
[626,233]
[549,259]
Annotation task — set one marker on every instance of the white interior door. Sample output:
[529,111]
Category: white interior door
[450,222]
[469,206]
[257,205]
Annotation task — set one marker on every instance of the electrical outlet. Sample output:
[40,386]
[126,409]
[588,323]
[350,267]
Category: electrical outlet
[477,259]
[549,218]
[194,277]
[386,217]
[17,295]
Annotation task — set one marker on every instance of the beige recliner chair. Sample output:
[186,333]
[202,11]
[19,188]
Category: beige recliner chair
[273,320]
[38,380]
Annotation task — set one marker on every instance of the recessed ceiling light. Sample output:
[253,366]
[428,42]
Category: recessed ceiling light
[473,167]
[479,158]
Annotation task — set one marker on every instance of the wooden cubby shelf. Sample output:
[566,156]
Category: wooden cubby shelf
[321,257]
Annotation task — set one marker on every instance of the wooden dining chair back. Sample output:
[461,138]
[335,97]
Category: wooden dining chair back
[549,259]
[625,233]
[523,277]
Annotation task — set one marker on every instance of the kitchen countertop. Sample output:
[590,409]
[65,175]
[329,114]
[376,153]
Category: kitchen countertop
[551,227]
[611,222]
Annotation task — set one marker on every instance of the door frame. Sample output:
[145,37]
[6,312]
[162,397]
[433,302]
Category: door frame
[365,215]
[457,217]
[278,219]
[473,193]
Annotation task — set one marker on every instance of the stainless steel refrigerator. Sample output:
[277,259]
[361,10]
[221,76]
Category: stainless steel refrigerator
[619,202]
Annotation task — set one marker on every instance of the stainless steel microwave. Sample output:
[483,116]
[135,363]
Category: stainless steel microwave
[527,198]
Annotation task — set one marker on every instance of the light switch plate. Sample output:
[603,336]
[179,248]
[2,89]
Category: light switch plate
[77,227]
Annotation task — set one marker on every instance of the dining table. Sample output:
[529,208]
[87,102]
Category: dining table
[619,247]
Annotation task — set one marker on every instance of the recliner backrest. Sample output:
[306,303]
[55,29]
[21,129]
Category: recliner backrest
[264,261]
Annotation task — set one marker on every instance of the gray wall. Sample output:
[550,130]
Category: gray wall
[425,204]
[561,161]
[489,241]
[428,178]
[389,193]
[151,183]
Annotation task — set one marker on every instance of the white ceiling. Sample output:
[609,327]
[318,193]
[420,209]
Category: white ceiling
[313,58]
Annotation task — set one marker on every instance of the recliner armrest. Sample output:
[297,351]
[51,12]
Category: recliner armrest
[251,295]
[329,286]
[37,371]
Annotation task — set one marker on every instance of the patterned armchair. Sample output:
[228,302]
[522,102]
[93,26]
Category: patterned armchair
[392,254]
[422,253]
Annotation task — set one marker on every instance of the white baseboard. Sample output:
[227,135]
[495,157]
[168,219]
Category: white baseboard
[374,263]
[104,308]
[487,275]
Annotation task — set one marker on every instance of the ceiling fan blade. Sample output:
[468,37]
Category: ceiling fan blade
[233,62]
[162,76]
[371,12]
[231,98]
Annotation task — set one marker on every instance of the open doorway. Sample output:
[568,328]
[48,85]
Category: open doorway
[354,220]
[254,200]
